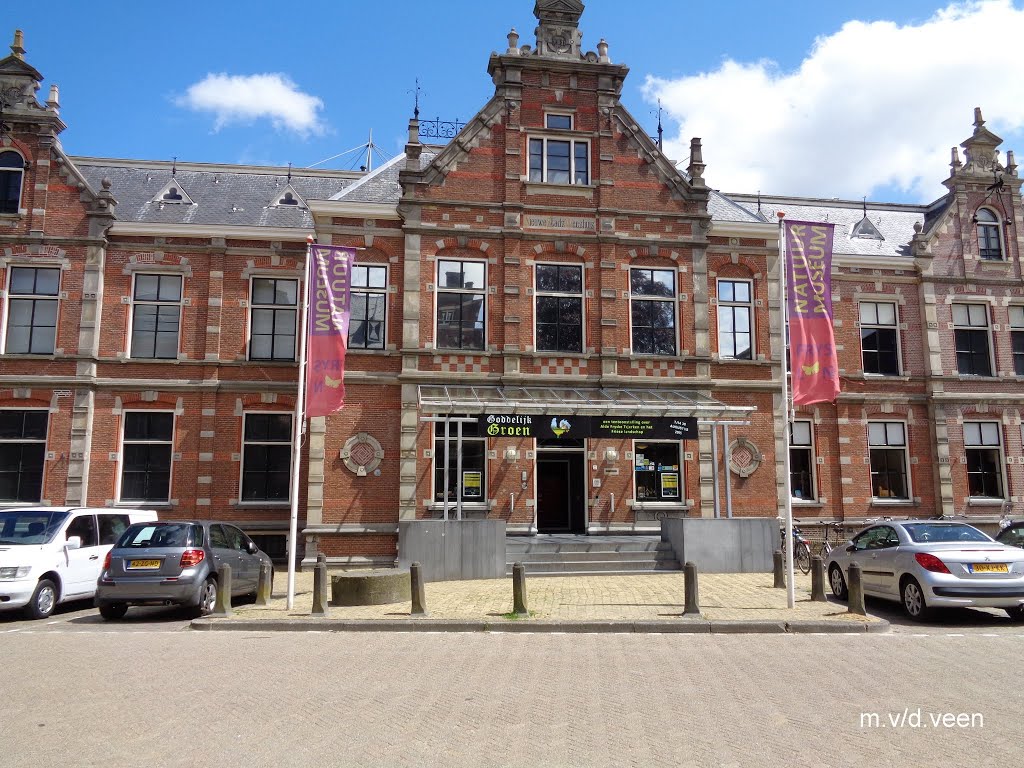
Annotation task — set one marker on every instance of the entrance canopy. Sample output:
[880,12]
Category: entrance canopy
[614,401]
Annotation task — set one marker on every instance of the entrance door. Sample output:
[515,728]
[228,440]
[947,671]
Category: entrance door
[560,493]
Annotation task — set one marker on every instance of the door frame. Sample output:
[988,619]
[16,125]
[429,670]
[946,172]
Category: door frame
[582,453]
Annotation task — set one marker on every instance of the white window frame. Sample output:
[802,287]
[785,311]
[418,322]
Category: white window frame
[121,468]
[9,296]
[555,135]
[890,446]
[1015,324]
[675,309]
[997,224]
[253,306]
[680,500]
[21,183]
[981,423]
[438,290]
[970,326]
[538,294]
[895,326]
[33,440]
[748,305]
[384,292]
[437,436]
[241,464]
[136,303]
[812,448]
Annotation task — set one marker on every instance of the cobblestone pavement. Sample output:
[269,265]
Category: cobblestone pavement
[104,698]
[594,598]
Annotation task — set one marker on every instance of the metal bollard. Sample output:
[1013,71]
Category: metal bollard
[265,586]
[419,598]
[855,588]
[519,590]
[223,605]
[778,563]
[818,579]
[320,590]
[692,604]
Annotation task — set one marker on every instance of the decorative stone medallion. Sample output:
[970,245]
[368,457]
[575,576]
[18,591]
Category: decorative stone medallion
[744,457]
[362,453]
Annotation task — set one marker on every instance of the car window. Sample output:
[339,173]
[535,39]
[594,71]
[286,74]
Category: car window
[85,527]
[932,532]
[869,538]
[171,535]
[235,537]
[29,526]
[198,537]
[111,527]
[218,539]
[889,539]
[1012,536]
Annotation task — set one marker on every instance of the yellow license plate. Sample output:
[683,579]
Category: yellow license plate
[143,564]
[989,568]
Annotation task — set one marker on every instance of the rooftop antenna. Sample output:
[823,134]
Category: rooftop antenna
[660,129]
[759,202]
[416,103]
[369,148]
[864,201]
[289,173]
[174,166]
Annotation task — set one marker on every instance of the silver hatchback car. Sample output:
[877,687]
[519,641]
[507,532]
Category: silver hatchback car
[926,564]
[176,563]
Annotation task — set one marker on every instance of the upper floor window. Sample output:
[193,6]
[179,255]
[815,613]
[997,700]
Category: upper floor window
[266,456]
[146,456]
[369,299]
[461,292]
[156,316]
[983,446]
[1017,338]
[887,444]
[559,161]
[12,172]
[990,244]
[735,319]
[559,298]
[801,460]
[879,338]
[32,310]
[22,454]
[653,311]
[970,331]
[273,309]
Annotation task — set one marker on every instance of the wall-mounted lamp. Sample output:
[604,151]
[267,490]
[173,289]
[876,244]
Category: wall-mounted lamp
[610,454]
[511,454]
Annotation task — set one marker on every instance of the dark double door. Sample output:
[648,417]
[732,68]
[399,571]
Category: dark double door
[561,492]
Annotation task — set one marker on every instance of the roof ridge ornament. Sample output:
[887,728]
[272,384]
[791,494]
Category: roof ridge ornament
[558,33]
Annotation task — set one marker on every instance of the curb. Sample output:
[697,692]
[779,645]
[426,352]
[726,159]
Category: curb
[687,627]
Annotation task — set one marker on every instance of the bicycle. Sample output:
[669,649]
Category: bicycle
[827,546]
[801,549]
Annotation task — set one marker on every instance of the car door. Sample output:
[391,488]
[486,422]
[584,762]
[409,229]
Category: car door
[82,565]
[245,582]
[882,562]
[224,553]
[863,553]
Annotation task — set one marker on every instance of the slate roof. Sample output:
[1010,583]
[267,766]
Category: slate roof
[381,185]
[722,208]
[223,195]
[894,221]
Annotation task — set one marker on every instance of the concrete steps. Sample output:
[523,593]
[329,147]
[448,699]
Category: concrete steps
[569,555]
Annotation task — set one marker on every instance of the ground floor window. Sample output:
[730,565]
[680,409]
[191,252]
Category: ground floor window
[983,446]
[473,483]
[22,454]
[888,445]
[147,449]
[801,460]
[266,457]
[658,471]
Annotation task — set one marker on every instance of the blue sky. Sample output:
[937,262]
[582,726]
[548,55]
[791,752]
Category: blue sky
[808,98]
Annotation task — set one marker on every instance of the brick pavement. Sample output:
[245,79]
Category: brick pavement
[633,597]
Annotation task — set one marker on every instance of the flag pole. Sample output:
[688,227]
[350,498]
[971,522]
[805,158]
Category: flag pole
[298,426]
[788,485]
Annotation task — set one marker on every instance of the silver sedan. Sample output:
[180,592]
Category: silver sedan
[926,564]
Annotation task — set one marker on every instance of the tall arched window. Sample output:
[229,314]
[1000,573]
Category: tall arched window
[12,168]
[989,242]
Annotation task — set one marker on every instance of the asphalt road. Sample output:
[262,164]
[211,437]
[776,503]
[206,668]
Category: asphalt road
[83,693]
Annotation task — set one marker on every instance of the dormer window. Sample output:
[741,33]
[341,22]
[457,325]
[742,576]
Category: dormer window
[288,199]
[172,195]
[865,230]
[12,172]
[990,245]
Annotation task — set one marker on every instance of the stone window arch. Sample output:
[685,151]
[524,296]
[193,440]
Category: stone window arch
[990,240]
[12,176]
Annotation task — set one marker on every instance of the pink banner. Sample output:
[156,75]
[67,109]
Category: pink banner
[812,343]
[330,279]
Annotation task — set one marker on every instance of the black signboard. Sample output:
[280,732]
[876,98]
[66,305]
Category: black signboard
[549,427]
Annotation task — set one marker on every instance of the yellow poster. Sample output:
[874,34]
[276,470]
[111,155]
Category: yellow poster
[472,484]
[669,485]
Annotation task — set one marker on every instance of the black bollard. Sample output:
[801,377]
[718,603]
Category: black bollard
[692,604]
[223,605]
[818,579]
[778,563]
[265,586]
[519,590]
[419,598]
[856,590]
[320,590]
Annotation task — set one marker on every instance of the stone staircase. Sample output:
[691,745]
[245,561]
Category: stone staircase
[570,555]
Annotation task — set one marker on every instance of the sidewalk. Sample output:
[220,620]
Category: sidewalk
[626,603]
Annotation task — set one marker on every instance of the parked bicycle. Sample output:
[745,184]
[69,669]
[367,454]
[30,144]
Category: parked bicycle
[831,542]
[801,549]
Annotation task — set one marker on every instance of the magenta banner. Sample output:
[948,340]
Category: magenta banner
[812,343]
[329,313]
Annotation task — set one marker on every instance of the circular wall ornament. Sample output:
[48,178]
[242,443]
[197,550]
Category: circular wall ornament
[744,457]
[362,453]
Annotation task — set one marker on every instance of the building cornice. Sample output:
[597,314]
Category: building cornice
[355,210]
[761,231]
[142,228]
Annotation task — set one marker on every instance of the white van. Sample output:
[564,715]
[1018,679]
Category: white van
[49,555]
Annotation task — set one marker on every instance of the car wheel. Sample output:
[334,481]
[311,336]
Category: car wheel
[1016,612]
[913,599]
[837,582]
[113,611]
[207,597]
[43,601]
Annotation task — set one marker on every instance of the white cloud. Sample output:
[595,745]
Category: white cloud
[874,106]
[245,98]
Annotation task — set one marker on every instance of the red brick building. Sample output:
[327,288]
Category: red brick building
[548,263]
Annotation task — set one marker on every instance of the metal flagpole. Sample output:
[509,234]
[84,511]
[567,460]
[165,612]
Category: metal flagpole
[788,489]
[299,425]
